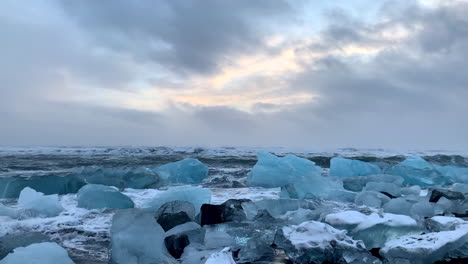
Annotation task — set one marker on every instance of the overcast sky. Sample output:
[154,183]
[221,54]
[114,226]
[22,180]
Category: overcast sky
[326,74]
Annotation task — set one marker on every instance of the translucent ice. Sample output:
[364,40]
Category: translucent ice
[10,187]
[136,238]
[371,198]
[196,195]
[39,253]
[276,207]
[273,171]
[96,196]
[387,187]
[316,242]
[398,206]
[374,229]
[427,248]
[341,167]
[456,174]
[318,187]
[222,257]
[356,184]
[137,178]
[443,223]
[39,204]
[187,171]
[417,171]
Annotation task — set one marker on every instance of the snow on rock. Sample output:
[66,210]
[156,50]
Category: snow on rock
[427,248]
[39,253]
[222,257]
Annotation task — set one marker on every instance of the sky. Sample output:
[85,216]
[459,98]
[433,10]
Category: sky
[293,73]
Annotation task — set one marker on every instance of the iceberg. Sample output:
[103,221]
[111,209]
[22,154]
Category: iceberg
[318,188]
[357,184]
[187,171]
[374,229]
[427,248]
[96,196]
[341,167]
[417,171]
[316,242]
[136,178]
[11,187]
[272,171]
[39,204]
[195,195]
[136,238]
[39,253]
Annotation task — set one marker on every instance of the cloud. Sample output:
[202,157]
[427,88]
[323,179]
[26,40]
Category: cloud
[183,36]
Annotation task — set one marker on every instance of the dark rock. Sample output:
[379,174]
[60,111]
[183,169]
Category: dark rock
[229,211]
[376,253]
[176,207]
[176,244]
[436,194]
[168,221]
[389,195]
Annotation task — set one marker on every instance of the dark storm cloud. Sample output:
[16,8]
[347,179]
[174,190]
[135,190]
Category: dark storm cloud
[184,36]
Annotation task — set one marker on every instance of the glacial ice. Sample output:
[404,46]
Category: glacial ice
[319,187]
[417,171]
[371,199]
[196,195]
[39,253]
[341,167]
[136,178]
[398,206]
[272,171]
[11,187]
[222,257]
[456,174]
[388,187]
[316,242]
[187,171]
[15,240]
[96,196]
[443,223]
[136,238]
[356,184]
[374,229]
[39,204]
[276,207]
[426,248]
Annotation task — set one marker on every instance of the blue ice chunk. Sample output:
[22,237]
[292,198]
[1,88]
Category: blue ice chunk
[136,238]
[341,167]
[39,253]
[417,171]
[317,188]
[187,171]
[96,196]
[456,174]
[273,171]
[39,204]
[136,178]
[196,195]
[10,187]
